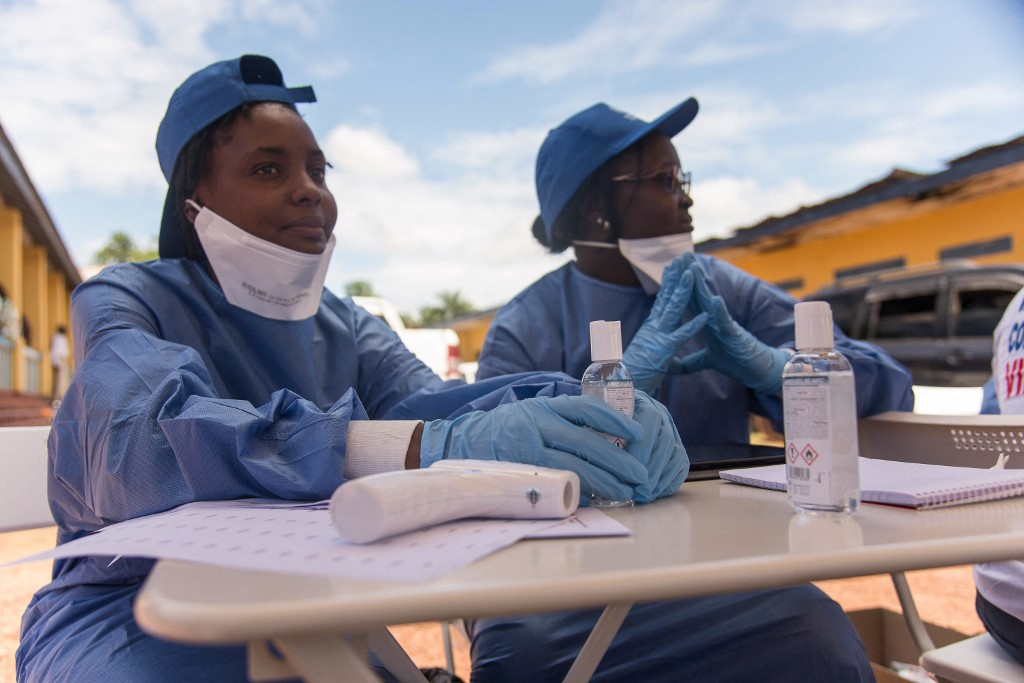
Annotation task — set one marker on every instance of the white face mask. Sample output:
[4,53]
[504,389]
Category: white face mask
[649,256]
[259,276]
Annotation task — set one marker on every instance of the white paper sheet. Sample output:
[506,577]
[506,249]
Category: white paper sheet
[299,538]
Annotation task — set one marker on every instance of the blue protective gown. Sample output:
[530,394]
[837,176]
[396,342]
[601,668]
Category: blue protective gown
[546,327]
[180,396]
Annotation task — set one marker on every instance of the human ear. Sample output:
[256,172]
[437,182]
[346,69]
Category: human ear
[190,210]
[593,212]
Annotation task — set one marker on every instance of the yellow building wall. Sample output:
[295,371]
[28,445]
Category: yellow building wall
[11,276]
[39,291]
[917,237]
[472,332]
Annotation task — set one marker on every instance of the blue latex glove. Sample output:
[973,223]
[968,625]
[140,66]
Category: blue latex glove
[660,450]
[550,432]
[730,349]
[651,353]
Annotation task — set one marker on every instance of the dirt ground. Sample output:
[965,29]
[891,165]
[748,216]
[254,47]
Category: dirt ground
[944,597]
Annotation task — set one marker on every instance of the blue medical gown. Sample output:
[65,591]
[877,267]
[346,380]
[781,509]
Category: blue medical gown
[546,327]
[180,396]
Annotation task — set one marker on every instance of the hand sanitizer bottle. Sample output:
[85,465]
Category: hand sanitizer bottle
[609,380]
[820,409]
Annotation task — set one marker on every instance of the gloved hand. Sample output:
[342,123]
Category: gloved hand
[550,432]
[730,349]
[660,450]
[651,353]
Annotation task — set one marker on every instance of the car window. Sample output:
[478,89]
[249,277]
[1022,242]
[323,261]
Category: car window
[977,309]
[844,309]
[911,315]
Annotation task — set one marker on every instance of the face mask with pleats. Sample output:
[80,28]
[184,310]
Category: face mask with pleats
[648,256]
[259,276]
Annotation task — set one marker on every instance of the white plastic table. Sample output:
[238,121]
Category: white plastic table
[711,537]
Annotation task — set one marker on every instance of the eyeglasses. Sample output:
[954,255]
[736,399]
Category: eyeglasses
[673,179]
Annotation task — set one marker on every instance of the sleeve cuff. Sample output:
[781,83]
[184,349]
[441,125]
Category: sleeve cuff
[375,446]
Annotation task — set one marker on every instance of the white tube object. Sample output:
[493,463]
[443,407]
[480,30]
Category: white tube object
[375,507]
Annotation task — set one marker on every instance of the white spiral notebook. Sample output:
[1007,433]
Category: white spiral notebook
[906,484]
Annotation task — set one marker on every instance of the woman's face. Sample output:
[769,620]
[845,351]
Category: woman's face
[655,206]
[266,175]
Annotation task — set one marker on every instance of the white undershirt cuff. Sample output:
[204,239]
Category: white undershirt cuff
[375,446]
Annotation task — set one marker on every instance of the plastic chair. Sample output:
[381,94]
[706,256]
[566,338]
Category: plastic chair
[23,499]
[960,441]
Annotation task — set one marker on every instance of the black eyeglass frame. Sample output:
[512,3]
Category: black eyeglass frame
[678,179]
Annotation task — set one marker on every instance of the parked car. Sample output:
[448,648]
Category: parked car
[937,320]
[437,347]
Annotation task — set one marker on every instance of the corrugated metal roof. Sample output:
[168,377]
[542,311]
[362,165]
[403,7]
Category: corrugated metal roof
[17,191]
[899,184]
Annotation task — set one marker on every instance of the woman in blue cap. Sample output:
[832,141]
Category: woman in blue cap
[703,337]
[225,370]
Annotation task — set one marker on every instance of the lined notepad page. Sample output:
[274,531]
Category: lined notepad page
[907,484]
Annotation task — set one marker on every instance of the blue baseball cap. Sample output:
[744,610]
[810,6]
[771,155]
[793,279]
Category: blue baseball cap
[585,141]
[204,97]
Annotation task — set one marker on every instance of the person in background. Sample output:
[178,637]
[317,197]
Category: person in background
[1000,598]
[10,319]
[225,370]
[703,337]
[60,361]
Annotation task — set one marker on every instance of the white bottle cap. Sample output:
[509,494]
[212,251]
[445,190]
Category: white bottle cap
[813,321]
[605,340]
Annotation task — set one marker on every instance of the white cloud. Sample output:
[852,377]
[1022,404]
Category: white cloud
[368,153]
[630,35]
[412,237]
[972,100]
[722,204]
[498,153]
[815,16]
[626,35]
[84,84]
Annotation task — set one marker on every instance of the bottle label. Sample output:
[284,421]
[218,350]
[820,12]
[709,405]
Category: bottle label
[821,439]
[619,395]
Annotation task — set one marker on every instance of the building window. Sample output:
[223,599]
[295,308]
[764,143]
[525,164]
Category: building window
[871,267]
[791,283]
[972,249]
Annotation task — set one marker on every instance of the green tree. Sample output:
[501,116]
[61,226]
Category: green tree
[121,249]
[452,306]
[359,288]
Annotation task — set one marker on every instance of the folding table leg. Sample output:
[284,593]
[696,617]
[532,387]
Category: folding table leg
[392,656]
[597,642]
[327,658]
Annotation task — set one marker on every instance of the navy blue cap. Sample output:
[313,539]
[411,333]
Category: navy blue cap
[204,97]
[584,142]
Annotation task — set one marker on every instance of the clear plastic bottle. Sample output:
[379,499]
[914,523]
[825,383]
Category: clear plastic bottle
[820,408]
[609,380]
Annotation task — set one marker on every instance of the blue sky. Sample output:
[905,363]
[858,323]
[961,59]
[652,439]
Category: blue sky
[432,111]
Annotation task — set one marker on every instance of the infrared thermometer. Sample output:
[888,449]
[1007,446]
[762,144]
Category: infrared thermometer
[371,508]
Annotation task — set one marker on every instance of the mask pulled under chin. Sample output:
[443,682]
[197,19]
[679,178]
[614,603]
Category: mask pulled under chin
[649,256]
[259,276]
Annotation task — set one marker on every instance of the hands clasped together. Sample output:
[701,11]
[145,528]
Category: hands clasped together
[728,347]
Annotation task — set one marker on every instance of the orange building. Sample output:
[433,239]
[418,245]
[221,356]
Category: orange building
[973,209]
[36,279]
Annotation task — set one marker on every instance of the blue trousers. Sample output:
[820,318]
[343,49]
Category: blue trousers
[790,634]
[1005,629]
[88,633]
